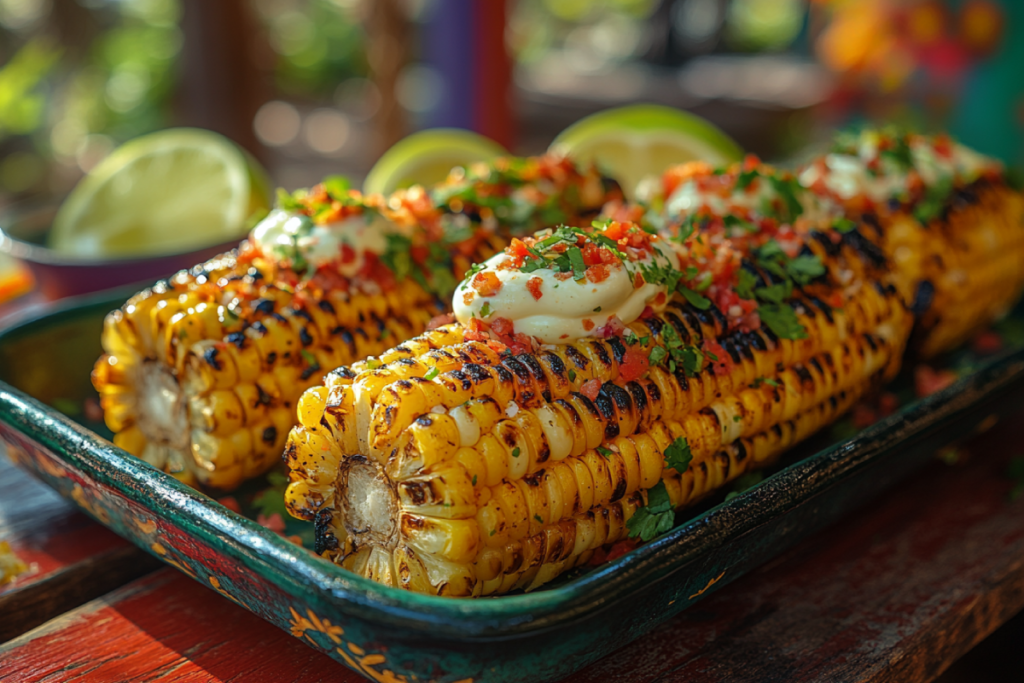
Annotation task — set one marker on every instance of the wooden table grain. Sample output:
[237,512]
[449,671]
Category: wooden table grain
[896,592]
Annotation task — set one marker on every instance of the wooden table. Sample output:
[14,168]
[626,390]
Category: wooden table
[896,592]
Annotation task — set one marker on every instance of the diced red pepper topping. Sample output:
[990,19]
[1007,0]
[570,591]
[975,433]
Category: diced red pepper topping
[634,364]
[476,330]
[419,254]
[503,327]
[521,343]
[597,273]
[588,324]
[724,364]
[486,283]
[533,285]
[591,388]
[348,254]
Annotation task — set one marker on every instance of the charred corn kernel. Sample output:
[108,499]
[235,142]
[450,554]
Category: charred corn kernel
[205,369]
[540,475]
[944,216]
[972,265]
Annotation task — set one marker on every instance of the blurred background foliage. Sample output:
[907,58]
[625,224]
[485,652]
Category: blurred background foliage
[78,77]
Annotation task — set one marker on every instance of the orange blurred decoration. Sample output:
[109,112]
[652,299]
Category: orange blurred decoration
[883,44]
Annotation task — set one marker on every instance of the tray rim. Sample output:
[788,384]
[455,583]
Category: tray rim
[500,617]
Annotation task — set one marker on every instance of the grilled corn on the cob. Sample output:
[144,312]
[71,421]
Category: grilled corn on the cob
[946,217]
[495,454]
[201,373]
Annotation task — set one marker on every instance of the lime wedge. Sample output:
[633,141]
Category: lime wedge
[167,192]
[638,141]
[427,157]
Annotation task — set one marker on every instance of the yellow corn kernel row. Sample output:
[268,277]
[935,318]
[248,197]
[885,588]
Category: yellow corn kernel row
[482,477]
[197,391]
[972,258]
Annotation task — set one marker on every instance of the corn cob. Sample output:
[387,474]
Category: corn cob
[942,214]
[946,217]
[472,461]
[201,373]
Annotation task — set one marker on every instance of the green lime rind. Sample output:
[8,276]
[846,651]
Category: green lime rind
[423,156]
[167,192]
[649,118]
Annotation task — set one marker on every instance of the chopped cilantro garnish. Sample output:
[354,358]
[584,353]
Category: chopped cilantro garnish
[843,225]
[690,224]
[572,375]
[764,380]
[289,201]
[732,221]
[336,185]
[678,354]
[604,451]
[775,294]
[655,518]
[397,256]
[474,480]
[678,455]
[935,196]
[769,251]
[898,152]
[704,282]
[597,310]
[781,319]
[474,269]
[485,310]
[745,178]
[745,284]
[538,519]
[696,300]
[432,373]
[787,189]
[805,268]
[516,452]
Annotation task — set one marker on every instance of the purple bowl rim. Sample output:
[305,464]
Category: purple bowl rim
[35,253]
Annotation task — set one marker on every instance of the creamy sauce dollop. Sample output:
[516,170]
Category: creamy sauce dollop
[567,309]
[283,233]
[849,175]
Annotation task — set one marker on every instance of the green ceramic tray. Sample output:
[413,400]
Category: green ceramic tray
[391,635]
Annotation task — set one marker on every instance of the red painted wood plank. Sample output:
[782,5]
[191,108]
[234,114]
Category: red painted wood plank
[895,593]
[71,558]
[164,627]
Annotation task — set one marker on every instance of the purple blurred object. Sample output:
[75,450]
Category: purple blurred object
[23,233]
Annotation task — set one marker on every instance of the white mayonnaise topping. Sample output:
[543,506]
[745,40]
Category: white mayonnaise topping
[566,308]
[283,233]
[847,175]
[689,197]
